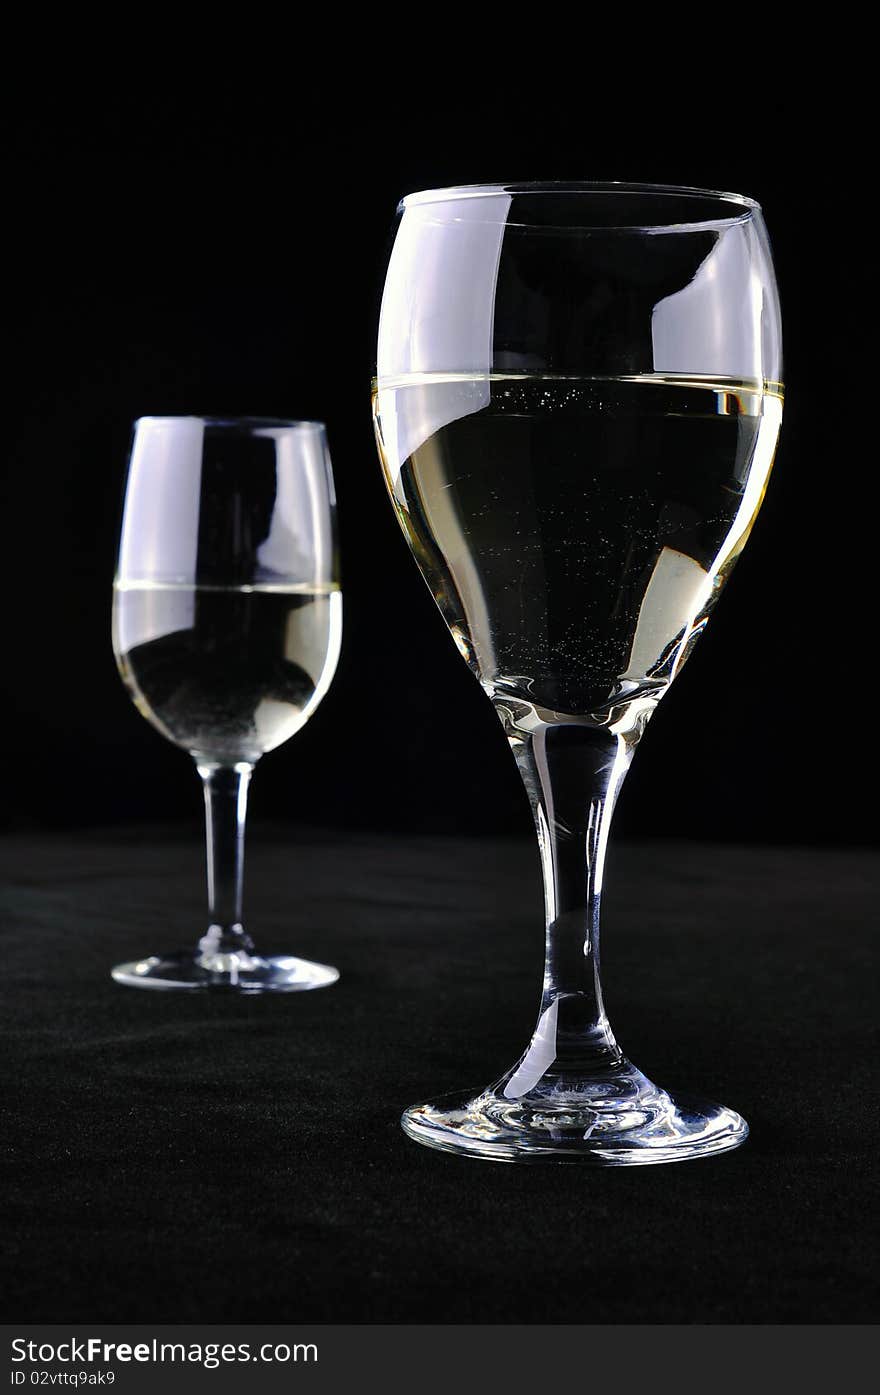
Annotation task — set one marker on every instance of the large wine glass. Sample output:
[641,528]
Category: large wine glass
[577,404]
[227,619]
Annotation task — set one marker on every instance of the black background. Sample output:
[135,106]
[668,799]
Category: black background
[205,230]
[213,239]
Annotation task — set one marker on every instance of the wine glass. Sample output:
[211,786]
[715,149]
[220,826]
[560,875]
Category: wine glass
[227,619]
[577,404]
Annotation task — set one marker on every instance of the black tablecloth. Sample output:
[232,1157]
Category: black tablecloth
[177,1157]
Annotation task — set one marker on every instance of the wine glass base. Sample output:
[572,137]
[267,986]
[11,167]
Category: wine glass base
[600,1131]
[237,973]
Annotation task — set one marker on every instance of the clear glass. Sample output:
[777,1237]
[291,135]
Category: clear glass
[577,403]
[227,620]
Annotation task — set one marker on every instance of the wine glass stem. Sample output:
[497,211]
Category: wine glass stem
[573,775]
[226,790]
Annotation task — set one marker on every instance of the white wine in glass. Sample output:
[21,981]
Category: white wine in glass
[227,619]
[577,404]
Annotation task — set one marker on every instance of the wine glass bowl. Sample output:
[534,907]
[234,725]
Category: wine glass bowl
[226,630]
[577,404]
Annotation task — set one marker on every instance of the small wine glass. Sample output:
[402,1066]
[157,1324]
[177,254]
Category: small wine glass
[577,404]
[227,620]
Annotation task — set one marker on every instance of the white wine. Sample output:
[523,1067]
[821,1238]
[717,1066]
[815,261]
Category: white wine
[226,672]
[575,532]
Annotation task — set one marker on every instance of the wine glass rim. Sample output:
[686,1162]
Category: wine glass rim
[235,423]
[742,206]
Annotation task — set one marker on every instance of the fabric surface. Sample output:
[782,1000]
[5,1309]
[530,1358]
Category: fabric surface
[179,1158]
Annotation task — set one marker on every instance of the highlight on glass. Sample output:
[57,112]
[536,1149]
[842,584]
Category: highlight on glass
[227,620]
[577,403]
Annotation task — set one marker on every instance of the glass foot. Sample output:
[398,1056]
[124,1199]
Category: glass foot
[624,1123]
[239,973]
